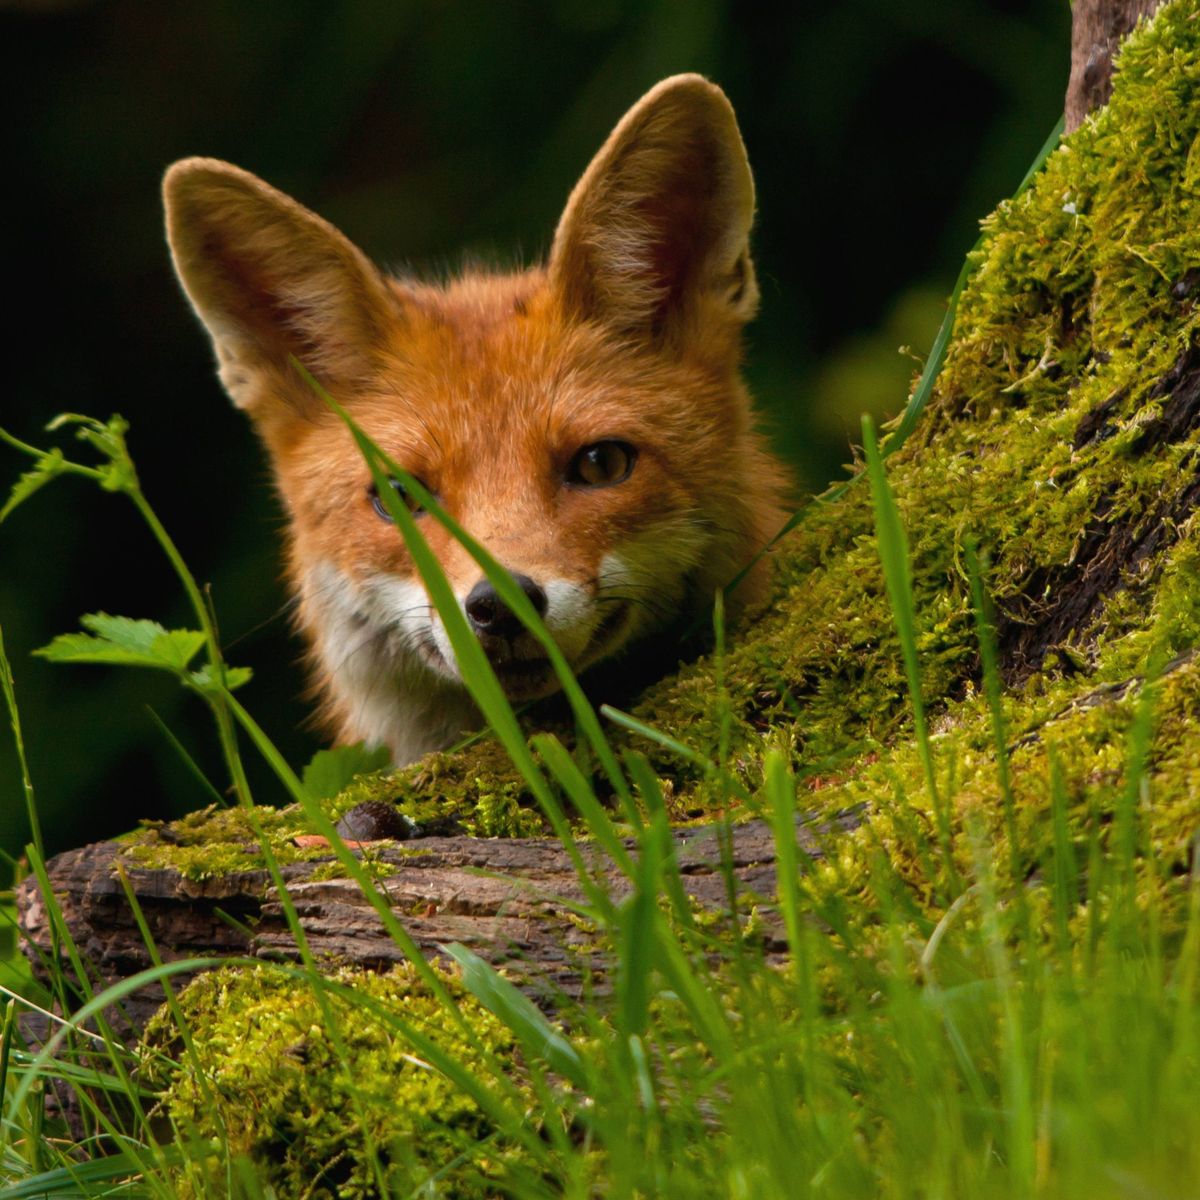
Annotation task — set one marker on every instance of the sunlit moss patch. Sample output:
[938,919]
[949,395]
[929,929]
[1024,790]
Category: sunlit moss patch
[343,1102]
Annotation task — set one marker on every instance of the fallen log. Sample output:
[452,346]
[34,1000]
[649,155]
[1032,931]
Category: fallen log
[513,901]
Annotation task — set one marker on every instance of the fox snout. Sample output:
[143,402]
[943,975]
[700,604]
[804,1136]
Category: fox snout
[573,614]
[491,618]
[516,656]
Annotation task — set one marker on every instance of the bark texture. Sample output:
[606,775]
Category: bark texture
[1059,605]
[1097,27]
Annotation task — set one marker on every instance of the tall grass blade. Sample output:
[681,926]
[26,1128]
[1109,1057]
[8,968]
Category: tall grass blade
[1186,983]
[8,687]
[1137,771]
[8,1033]
[582,797]
[1065,870]
[188,761]
[985,633]
[1019,1103]
[684,752]
[95,1008]
[893,555]
[172,1000]
[781,791]
[116,1174]
[648,785]
[637,949]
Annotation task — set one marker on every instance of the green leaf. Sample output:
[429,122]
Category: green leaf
[331,771]
[125,641]
[48,467]
[235,677]
[115,1169]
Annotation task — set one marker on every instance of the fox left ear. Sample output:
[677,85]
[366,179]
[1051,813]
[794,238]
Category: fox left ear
[660,221]
[272,281]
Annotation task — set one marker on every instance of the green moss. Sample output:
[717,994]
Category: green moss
[219,841]
[474,790]
[216,842]
[313,1116]
[1079,740]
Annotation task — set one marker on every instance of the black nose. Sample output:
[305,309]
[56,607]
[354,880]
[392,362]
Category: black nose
[489,614]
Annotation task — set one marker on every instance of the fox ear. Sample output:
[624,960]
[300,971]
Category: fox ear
[271,280]
[661,219]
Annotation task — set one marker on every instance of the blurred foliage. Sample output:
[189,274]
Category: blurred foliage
[879,134]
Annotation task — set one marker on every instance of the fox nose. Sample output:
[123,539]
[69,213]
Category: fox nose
[489,614]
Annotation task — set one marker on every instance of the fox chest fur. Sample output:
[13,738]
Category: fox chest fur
[584,420]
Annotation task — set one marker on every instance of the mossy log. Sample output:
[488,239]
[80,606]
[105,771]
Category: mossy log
[1063,436]
[510,900]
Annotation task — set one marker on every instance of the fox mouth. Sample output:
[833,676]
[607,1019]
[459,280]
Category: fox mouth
[607,635]
[532,677]
[526,678]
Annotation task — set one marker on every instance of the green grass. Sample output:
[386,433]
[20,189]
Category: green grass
[895,1054]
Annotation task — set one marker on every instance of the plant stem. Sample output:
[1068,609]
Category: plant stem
[216,697]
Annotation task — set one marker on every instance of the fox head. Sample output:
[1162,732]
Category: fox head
[584,419]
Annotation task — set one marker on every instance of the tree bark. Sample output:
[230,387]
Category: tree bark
[1097,27]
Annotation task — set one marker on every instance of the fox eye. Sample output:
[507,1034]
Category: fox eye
[602,464]
[377,501]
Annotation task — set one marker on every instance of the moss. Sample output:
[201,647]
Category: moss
[474,790]
[1078,744]
[219,841]
[278,1089]
[216,841]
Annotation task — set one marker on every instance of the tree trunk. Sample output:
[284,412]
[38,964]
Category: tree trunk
[1097,27]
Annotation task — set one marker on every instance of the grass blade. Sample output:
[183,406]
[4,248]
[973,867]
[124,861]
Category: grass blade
[781,789]
[8,687]
[87,1178]
[637,950]
[893,555]
[519,1013]
[95,1008]
[188,761]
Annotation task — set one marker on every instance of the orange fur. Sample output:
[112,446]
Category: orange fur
[487,390]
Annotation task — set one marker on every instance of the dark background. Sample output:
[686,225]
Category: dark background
[879,133]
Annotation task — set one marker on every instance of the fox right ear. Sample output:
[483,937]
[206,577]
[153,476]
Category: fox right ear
[271,280]
[659,225]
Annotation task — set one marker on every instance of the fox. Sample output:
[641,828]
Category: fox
[585,419]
